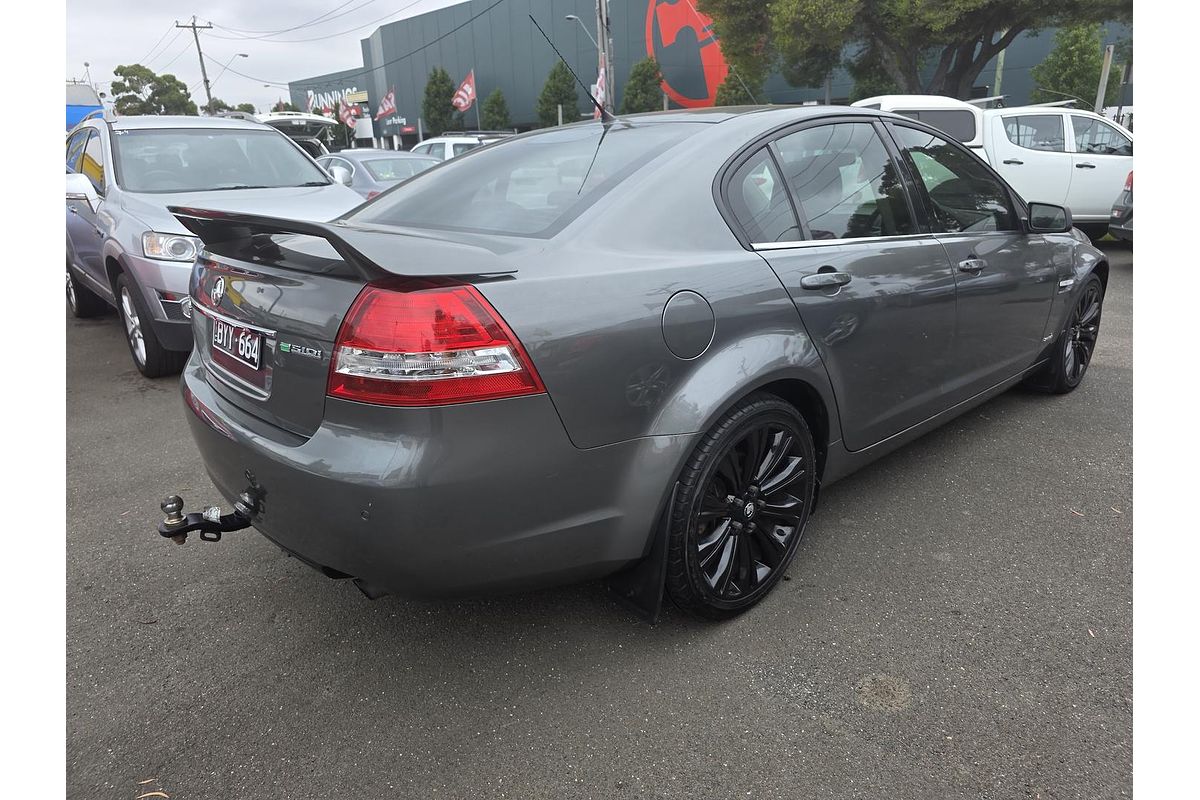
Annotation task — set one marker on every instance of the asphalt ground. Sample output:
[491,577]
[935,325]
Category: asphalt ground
[957,624]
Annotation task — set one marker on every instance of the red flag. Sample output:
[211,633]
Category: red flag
[348,113]
[464,98]
[388,104]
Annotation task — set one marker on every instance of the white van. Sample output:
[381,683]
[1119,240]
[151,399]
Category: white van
[1051,154]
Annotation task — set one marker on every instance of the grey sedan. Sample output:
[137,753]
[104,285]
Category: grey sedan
[512,371]
[371,172]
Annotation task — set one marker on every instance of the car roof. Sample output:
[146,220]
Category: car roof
[152,122]
[368,153]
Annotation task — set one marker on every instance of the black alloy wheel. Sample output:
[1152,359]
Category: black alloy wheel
[745,497]
[1082,332]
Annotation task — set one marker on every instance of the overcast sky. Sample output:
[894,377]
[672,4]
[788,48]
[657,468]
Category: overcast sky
[106,33]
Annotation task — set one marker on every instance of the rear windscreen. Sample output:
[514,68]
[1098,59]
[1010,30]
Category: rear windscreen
[526,186]
[959,124]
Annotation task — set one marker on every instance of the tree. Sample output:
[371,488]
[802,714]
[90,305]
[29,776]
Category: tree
[217,106]
[731,92]
[870,78]
[924,47]
[559,89]
[139,91]
[282,106]
[437,111]
[741,26]
[1072,69]
[643,89]
[245,108]
[495,112]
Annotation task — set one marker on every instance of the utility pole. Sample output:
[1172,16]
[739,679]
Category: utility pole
[604,35]
[1102,89]
[203,72]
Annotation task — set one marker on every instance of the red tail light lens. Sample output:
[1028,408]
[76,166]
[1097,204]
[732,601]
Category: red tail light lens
[425,343]
[371,195]
[1129,182]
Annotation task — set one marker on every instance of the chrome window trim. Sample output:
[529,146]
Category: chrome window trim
[908,237]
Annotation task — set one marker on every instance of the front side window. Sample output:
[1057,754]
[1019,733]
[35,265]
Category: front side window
[397,169]
[1036,132]
[200,160]
[530,186]
[759,200]
[845,182]
[92,162]
[75,149]
[1097,137]
[963,195]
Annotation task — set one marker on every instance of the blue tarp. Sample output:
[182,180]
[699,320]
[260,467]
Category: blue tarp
[76,113]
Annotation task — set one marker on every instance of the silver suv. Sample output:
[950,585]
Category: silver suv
[126,250]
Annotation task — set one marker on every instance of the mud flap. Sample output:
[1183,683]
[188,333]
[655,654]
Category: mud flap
[641,587]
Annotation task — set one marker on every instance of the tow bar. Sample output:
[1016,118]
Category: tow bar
[210,522]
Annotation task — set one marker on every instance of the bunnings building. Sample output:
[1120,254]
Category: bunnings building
[497,40]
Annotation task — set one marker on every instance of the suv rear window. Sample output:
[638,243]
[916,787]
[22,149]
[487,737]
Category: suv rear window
[527,186]
[957,124]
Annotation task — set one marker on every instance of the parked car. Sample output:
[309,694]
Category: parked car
[652,364]
[124,249]
[1060,155]
[369,172]
[455,143]
[1121,224]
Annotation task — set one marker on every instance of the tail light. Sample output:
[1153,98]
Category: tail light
[427,343]
[371,195]
[1129,182]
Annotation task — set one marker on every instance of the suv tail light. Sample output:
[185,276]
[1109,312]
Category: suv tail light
[1129,182]
[427,343]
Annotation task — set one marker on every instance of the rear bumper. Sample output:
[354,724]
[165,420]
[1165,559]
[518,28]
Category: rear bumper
[1121,223]
[478,497]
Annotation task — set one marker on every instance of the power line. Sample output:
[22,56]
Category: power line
[173,60]
[327,36]
[357,73]
[326,17]
[142,60]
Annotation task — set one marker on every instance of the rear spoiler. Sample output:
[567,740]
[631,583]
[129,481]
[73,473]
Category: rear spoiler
[371,254]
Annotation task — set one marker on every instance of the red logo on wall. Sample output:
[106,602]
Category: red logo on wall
[681,39]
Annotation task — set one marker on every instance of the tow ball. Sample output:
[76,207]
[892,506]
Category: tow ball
[210,522]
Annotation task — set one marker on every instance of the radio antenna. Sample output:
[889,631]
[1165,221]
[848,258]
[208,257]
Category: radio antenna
[605,117]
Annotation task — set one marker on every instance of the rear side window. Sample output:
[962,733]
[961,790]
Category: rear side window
[963,195]
[397,169]
[1036,132]
[956,123]
[759,200]
[462,147]
[845,182]
[529,186]
[1099,138]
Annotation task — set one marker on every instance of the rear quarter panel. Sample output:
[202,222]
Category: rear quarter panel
[590,308]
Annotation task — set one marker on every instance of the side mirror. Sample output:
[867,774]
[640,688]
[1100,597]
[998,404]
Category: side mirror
[1049,218]
[80,189]
[340,174]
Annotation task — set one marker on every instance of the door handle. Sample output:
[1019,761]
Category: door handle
[1085,165]
[1013,161]
[824,280]
[972,265]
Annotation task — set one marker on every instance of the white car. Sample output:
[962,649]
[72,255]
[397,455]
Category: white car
[1051,153]
[451,144]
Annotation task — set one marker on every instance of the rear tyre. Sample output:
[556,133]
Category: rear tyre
[1076,343]
[743,501]
[149,356]
[81,300]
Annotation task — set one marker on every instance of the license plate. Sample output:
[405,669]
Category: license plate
[241,343]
